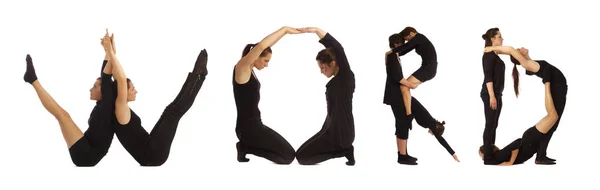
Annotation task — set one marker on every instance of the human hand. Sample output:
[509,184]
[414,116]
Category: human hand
[309,29]
[455,157]
[493,103]
[291,30]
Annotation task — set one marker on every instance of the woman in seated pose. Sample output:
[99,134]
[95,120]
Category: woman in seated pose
[254,136]
[86,149]
[335,138]
[151,149]
[393,97]
[522,149]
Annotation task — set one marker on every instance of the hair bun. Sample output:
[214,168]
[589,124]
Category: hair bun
[483,36]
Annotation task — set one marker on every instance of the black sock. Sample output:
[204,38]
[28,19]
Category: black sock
[200,66]
[30,75]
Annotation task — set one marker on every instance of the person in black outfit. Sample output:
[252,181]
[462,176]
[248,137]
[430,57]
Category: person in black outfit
[522,149]
[393,97]
[335,138]
[254,136]
[422,46]
[558,88]
[492,87]
[86,149]
[152,149]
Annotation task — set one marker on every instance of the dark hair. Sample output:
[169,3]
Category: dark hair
[326,56]
[489,34]
[515,74]
[395,39]
[262,54]
[406,31]
[128,81]
[440,127]
[496,149]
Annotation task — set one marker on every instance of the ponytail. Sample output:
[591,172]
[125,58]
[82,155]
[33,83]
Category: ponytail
[515,75]
[247,49]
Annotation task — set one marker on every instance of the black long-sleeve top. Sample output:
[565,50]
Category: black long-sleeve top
[103,113]
[549,73]
[421,44]
[441,139]
[504,154]
[339,92]
[493,71]
[393,69]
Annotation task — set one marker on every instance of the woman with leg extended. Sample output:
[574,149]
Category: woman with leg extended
[86,149]
[558,88]
[492,88]
[522,149]
[393,98]
[152,149]
[255,137]
[422,46]
[335,138]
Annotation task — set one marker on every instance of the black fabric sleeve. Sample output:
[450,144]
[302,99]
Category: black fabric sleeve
[340,55]
[488,67]
[506,152]
[441,140]
[393,67]
[409,46]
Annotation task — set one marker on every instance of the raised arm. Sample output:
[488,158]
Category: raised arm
[106,87]
[266,42]
[329,41]
[122,111]
[409,46]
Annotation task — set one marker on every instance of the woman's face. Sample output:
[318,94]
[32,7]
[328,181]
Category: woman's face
[497,39]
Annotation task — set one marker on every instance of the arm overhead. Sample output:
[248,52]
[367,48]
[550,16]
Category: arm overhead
[329,41]
[266,42]
[122,111]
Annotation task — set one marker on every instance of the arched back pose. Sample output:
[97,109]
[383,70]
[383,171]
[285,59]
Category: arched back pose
[393,97]
[152,149]
[492,88]
[335,138]
[549,74]
[422,46]
[86,149]
[522,149]
[255,137]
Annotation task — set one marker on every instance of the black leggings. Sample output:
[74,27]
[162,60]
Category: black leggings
[258,139]
[153,149]
[491,119]
[530,142]
[326,145]
[559,97]
[93,146]
[422,116]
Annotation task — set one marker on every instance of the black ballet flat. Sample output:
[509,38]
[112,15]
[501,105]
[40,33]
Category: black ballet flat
[544,162]
[350,156]
[241,153]
[412,158]
[406,160]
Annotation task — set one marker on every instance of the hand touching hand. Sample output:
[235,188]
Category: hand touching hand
[291,30]
[309,29]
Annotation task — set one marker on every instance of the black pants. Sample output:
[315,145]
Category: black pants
[559,97]
[330,142]
[422,116]
[530,142]
[258,139]
[491,120]
[93,146]
[153,149]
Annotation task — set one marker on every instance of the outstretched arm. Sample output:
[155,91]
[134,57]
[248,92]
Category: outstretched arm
[526,63]
[122,111]
[441,139]
[268,41]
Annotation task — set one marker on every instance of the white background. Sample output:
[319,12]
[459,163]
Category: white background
[157,43]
